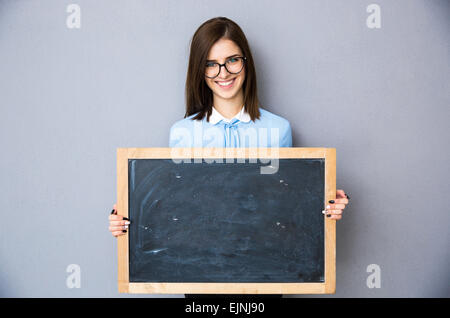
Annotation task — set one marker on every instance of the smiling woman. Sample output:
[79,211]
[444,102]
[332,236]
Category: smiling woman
[221,94]
[222,103]
[221,42]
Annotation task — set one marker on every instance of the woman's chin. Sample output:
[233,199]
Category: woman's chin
[225,96]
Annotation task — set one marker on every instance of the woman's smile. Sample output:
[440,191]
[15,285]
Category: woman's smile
[226,84]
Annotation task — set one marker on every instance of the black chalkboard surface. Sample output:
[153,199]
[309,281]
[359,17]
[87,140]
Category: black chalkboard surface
[204,224]
[226,222]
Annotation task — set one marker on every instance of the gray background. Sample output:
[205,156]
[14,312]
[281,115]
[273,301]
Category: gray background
[70,97]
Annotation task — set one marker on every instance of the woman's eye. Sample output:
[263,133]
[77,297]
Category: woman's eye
[210,64]
[232,60]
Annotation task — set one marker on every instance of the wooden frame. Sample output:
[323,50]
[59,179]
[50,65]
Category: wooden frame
[327,287]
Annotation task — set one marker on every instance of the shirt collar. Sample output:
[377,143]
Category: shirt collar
[216,116]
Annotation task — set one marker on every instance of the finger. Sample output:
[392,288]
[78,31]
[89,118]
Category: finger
[335,207]
[341,201]
[114,210]
[335,217]
[114,217]
[118,233]
[340,194]
[334,211]
[119,223]
[118,228]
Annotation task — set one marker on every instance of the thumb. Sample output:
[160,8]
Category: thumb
[340,194]
[114,210]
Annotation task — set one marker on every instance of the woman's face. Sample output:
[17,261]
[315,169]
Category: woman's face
[220,52]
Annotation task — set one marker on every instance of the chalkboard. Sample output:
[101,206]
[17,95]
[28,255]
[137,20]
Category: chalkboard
[217,222]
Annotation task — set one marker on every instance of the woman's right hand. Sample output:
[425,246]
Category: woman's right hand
[118,225]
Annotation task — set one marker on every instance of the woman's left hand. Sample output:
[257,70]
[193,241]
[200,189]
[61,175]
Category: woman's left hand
[335,207]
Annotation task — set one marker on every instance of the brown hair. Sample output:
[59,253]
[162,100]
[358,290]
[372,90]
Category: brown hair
[199,97]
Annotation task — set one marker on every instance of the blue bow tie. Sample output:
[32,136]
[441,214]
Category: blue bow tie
[231,135]
[232,124]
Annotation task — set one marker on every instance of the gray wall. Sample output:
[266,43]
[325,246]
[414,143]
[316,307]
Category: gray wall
[70,97]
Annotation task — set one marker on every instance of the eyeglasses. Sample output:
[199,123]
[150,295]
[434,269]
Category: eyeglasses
[233,65]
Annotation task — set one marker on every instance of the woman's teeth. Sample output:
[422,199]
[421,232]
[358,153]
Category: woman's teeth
[225,83]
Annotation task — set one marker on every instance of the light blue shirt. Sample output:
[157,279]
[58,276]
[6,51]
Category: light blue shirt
[269,130]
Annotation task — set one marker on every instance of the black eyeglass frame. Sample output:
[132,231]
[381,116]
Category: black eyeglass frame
[224,65]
